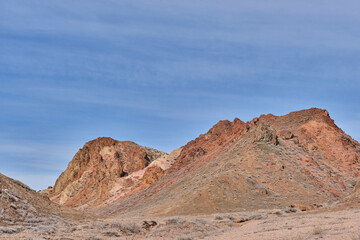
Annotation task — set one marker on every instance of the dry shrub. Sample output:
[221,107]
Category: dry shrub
[184,238]
[23,185]
[94,238]
[230,217]
[11,230]
[355,236]
[175,221]
[127,228]
[97,225]
[111,234]
[317,230]
[182,229]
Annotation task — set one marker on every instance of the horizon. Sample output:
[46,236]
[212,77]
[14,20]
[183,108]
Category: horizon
[162,73]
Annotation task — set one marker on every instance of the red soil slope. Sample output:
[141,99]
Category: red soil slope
[301,158]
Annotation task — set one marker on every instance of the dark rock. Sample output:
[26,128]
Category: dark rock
[149,224]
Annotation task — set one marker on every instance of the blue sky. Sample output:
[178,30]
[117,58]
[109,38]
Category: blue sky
[162,72]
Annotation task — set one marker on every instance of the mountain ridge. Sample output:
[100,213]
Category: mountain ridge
[271,161]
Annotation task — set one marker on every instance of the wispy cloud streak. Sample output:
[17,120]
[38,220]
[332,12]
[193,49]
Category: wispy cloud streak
[71,71]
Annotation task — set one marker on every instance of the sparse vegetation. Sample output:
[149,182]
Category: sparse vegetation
[111,234]
[127,228]
[355,236]
[193,229]
[231,218]
[11,230]
[248,184]
[184,238]
[177,220]
[317,230]
[94,238]
[23,185]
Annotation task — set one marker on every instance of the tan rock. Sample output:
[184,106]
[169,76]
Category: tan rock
[241,220]
[152,175]
[269,162]
[97,168]
[220,170]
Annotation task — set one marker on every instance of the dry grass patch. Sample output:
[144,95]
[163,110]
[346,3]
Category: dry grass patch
[317,230]
[181,229]
[127,228]
[356,236]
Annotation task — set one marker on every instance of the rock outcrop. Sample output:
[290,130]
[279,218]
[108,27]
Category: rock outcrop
[101,166]
[299,159]
[22,206]
[152,175]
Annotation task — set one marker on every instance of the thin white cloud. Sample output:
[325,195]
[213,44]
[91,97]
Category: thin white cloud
[63,62]
[37,155]
[29,147]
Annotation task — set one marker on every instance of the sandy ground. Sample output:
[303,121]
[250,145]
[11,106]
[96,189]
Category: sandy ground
[344,224]
[324,223]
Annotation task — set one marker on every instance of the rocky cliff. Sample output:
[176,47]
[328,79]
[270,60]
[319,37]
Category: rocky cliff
[101,166]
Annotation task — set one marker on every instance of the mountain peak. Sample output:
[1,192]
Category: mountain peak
[97,167]
[271,161]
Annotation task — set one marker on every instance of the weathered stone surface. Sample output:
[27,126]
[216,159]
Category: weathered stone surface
[152,175]
[149,224]
[286,134]
[99,167]
[300,158]
[241,220]
[19,204]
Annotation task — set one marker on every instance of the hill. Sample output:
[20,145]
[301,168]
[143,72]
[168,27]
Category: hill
[301,159]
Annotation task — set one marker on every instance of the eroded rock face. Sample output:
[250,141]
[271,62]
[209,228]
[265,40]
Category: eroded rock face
[23,206]
[152,175]
[201,150]
[98,167]
[301,159]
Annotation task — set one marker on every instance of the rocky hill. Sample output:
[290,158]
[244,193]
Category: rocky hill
[301,159]
[22,210]
[105,168]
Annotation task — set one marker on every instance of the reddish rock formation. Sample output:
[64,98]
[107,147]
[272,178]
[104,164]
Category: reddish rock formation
[300,159]
[97,168]
[152,175]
